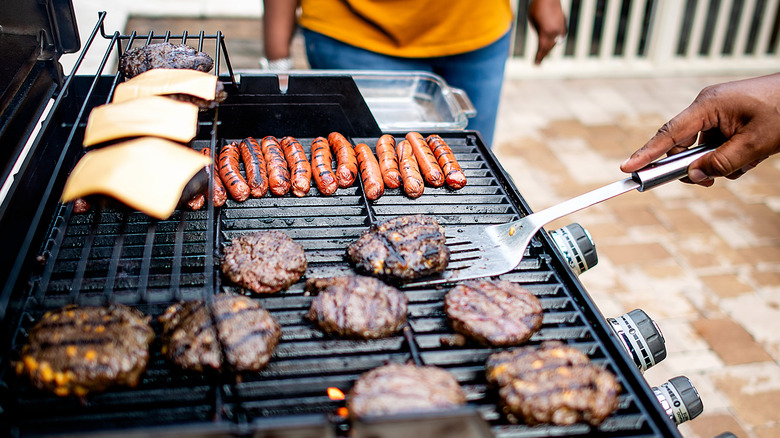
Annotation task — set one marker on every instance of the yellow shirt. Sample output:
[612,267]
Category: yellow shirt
[410,28]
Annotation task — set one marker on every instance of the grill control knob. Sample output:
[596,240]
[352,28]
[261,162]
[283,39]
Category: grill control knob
[641,337]
[577,247]
[679,399]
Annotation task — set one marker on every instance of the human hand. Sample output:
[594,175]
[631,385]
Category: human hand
[547,18]
[742,117]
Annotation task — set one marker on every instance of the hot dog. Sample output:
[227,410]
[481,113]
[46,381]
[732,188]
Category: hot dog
[453,174]
[370,174]
[300,169]
[254,164]
[197,201]
[220,194]
[428,166]
[388,162]
[322,166]
[278,175]
[410,173]
[230,174]
[346,162]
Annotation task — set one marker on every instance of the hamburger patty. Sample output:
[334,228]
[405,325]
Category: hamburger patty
[264,261]
[77,350]
[498,313]
[397,388]
[553,383]
[405,248]
[163,55]
[357,306]
[247,332]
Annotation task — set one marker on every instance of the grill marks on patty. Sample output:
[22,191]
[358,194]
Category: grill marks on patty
[397,388]
[552,383]
[78,350]
[357,306]
[402,248]
[264,261]
[247,333]
[494,312]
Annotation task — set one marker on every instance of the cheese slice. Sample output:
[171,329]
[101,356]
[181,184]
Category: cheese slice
[147,174]
[160,81]
[146,116]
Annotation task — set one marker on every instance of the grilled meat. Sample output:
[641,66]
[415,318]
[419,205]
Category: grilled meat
[357,306]
[204,104]
[163,55]
[247,332]
[397,388]
[78,350]
[499,313]
[264,261]
[553,383]
[405,248]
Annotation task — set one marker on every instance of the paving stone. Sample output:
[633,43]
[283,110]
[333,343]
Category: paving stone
[635,253]
[726,285]
[730,341]
[713,425]
[753,391]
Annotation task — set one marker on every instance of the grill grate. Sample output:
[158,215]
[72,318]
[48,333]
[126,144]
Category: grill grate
[111,255]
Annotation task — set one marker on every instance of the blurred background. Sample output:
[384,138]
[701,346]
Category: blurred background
[703,262]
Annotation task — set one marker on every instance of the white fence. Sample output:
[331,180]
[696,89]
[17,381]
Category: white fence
[655,37]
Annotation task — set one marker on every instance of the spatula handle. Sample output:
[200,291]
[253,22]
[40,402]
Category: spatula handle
[668,169]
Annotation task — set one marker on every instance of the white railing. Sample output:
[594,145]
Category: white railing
[655,37]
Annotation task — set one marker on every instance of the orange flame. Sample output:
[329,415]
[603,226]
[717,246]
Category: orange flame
[335,394]
[342,412]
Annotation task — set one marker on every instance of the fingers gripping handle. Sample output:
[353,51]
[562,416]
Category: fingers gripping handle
[668,169]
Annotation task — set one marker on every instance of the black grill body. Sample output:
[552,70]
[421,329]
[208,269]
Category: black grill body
[54,257]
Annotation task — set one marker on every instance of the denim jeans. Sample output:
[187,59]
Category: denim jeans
[479,73]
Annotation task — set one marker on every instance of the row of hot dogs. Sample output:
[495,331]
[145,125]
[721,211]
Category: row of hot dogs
[281,166]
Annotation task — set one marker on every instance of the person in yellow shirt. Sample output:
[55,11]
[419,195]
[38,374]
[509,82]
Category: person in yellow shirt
[463,41]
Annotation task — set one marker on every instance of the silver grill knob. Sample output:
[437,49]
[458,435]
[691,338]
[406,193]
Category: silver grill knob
[679,399]
[641,338]
[577,247]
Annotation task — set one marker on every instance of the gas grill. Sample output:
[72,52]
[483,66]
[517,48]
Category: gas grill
[53,257]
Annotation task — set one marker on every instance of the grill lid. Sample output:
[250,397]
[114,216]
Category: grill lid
[33,36]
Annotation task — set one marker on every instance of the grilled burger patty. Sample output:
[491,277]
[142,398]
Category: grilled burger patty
[397,388]
[247,332]
[163,55]
[499,313]
[405,248]
[77,350]
[264,261]
[553,383]
[357,306]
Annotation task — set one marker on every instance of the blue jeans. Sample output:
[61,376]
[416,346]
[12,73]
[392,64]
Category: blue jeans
[479,73]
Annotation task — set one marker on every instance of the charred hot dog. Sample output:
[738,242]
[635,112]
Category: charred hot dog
[254,164]
[388,162]
[278,175]
[230,174]
[453,174]
[300,169]
[322,166]
[410,173]
[428,166]
[346,169]
[370,174]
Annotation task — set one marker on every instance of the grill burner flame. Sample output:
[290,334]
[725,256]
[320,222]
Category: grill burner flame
[335,393]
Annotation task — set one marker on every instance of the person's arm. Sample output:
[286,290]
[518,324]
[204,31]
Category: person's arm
[549,21]
[278,27]
[742,117]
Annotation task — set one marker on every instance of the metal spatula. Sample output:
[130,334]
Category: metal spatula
[479,251]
